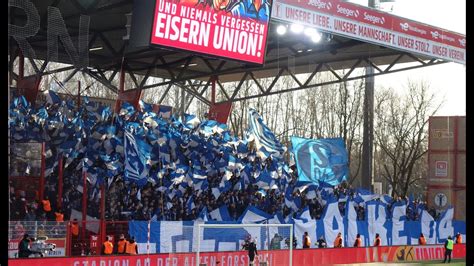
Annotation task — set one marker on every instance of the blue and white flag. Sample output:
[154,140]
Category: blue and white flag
[137,153]
[190,205]
[305,215]
[253,215]
[321,160]
[165,111]
[220,214]
[52,97]
[364,195]
[203,215]
[263,136]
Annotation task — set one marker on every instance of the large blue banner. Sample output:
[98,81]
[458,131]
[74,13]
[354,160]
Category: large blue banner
[167,236]
[321,160]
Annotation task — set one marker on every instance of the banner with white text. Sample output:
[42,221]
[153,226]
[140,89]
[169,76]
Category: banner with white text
[230,29]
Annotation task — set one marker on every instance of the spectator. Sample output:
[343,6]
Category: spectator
[338,241]
[458,238]
[59,216]
[358,242]
[131,247]
[378,241]
[107,247]
[306,240]
[121,244]
[24,247]
[421,240]
[321,242]
[275,243]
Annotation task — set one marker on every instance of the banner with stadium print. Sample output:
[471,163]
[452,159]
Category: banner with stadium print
[321,160]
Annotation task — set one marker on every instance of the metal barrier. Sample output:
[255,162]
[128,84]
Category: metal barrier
[91,234]
[84,238]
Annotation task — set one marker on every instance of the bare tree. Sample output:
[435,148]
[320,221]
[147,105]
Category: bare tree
[401,134]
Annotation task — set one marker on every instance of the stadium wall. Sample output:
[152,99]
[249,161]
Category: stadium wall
[274,258]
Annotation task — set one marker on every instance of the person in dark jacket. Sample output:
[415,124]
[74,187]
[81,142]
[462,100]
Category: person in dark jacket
[321,242]
[252,251]
[24,247]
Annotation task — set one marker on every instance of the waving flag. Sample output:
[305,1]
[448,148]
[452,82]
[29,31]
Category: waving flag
[263,136]
[220,214]
[190,205]
[203,215]
[253,215]
[321,160]
[137,153]
[52,97]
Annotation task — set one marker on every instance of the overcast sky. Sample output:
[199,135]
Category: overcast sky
[447,80]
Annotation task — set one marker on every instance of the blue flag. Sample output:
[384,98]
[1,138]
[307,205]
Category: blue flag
[321,160]
[263,136]
[137,152]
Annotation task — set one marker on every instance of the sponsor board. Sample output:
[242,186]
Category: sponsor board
[373,26]
[311,256]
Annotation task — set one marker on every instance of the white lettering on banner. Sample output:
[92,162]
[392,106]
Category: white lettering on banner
[376,223]
[198,14]
[374,19]
[182,29]
[330,233]
[436,35]
[237,41]
[428,227]
[405,27]
[462,42]
[352,230]
[301,227]
[166,236]
[167,7]
[320,4]
[398,226]
[445,226]
[347,12]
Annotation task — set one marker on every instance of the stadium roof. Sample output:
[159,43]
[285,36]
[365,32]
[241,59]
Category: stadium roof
[108,20]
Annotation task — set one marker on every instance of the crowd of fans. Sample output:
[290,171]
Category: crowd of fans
[126,201]
[160,198]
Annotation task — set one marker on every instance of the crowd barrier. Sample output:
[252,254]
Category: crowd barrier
[273,257]
[87,241]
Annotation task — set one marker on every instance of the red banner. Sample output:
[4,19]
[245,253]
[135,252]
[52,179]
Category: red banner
[359,22]
[28,87]
[130,96]
[273,258]
[220,112]
[215,28]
